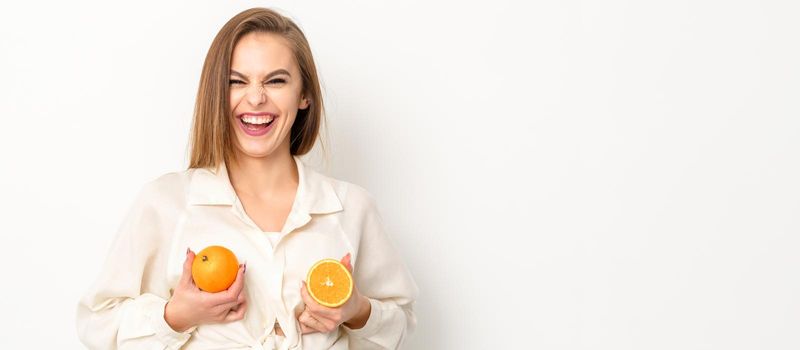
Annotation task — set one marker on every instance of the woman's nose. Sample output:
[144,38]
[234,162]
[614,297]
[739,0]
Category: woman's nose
[256,95]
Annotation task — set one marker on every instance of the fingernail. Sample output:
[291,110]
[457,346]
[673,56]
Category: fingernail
[187,250]
[245,268]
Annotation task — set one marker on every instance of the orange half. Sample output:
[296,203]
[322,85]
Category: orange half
[329,283]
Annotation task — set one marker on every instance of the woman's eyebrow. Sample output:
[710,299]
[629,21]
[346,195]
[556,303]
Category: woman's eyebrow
[270,75]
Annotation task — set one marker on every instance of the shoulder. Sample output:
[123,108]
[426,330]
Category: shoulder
[156,207]
[168,188]
[353,196]
[350,195]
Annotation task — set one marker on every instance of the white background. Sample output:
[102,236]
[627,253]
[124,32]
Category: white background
[558,174]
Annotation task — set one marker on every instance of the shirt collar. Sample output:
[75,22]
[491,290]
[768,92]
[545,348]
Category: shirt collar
[315,192]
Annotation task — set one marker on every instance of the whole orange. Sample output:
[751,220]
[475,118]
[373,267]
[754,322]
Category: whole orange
[214,268]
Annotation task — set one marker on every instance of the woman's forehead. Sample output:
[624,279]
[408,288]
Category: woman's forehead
[261,53]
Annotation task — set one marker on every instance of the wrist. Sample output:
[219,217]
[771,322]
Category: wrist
[174,322]
[360,319]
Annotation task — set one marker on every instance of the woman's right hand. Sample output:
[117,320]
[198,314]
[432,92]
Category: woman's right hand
[190,306]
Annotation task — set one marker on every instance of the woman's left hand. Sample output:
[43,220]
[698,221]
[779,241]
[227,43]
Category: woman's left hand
[318,318]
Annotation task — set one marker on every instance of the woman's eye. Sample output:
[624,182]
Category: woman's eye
[271,82]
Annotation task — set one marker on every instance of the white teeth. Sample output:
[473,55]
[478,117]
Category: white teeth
[257,120]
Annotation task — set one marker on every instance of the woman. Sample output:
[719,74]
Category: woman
[258,109]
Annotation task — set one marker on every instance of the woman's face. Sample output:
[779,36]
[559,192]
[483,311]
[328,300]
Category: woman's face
[266,93]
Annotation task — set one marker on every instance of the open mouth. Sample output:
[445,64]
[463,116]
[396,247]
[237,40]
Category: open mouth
[256,124]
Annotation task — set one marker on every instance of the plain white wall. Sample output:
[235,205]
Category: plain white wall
[557,174]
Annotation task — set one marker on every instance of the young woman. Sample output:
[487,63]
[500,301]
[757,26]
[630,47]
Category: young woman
[259,107]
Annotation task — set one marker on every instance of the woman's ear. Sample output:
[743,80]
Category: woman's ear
[304,102]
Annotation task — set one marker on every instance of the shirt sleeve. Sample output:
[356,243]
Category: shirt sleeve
[381,275]
[124,309]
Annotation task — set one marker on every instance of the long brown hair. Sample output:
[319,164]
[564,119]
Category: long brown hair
[211,139]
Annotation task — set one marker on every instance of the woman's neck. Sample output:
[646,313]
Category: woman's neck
[263,177]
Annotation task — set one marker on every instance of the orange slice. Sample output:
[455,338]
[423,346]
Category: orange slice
[329,283]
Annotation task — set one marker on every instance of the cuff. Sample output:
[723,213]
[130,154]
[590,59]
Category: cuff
[171,338]
[373,324]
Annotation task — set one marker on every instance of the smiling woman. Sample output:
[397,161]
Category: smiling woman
[249,89]
[259,56]
[258,109]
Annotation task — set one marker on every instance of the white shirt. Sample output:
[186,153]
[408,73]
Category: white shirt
[273,237]
[197,208]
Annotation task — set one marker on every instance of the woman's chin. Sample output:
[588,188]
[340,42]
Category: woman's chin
[258,154]
[259,151]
